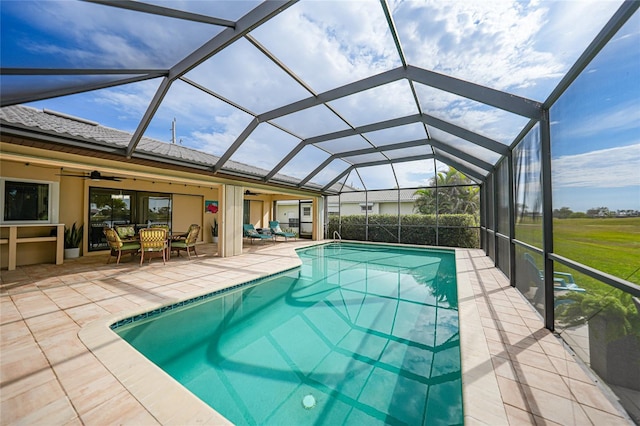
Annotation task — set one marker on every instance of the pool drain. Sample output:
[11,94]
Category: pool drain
[308,402]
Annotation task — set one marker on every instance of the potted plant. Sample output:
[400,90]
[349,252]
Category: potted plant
[72,241]
[613,321]
[214,231]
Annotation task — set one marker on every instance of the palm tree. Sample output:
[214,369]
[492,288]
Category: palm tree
[454,196]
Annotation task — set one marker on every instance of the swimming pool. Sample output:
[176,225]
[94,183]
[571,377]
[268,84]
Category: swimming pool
[359,334]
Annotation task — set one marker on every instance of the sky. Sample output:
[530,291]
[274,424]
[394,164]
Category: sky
[520,47]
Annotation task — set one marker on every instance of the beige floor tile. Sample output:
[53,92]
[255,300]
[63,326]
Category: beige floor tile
[530,358]
[33,304]
[66,297]
[59,411]
[601,418]
[495,351]
[542,379]
[512,394]
[8,311]
[119,409]
[518,417]
[87,389]
[555,349]
[82,315]
[504,308]
[540,421]
[21,360]
[51,324]
[14,331]
[521,330]
[22,382]
[554,408]
[511,318]
[590,394]
[30,403]
[521,342]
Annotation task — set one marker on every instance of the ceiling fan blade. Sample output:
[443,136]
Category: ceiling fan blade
[68,175]
[94,175]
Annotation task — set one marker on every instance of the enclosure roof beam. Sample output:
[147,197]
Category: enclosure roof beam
[462,155]
[381,149]
[337,93]
[460,166]
[260,14]
[22,98]
[486,95]
[502,100]
[341,134]
[378,163]
[465,134]
[468,135]
[164,11]
[236,144]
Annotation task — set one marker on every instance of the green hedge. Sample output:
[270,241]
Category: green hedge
[455,230]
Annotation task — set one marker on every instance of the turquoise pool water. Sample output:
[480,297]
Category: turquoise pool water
[359,334]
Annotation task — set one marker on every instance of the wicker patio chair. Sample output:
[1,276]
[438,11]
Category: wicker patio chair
[153,240]
[118,246]
[189,243]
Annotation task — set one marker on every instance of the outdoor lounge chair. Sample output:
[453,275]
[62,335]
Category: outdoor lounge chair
[118,246]
[274,225]
[153,240]
[251,233]
[187,244]
[561,280]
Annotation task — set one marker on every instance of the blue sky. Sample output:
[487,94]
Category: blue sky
[519,47]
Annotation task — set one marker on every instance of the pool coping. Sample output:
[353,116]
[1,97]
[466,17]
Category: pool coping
[170,403]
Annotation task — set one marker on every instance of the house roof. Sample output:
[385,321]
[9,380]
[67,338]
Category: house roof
[52,123]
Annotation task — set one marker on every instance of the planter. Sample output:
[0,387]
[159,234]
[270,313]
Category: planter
[72,253]
[215,240]
[617,361]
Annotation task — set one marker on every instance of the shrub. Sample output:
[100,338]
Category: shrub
[454,230]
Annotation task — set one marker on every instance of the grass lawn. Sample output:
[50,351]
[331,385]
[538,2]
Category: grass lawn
[610,245]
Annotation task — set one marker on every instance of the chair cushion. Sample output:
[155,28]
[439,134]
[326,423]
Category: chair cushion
[126,231]
[130,246]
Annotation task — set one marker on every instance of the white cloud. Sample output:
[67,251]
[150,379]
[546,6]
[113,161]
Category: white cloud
[508,45]
[606,168]
[331,43]
[102,36]
[618,117]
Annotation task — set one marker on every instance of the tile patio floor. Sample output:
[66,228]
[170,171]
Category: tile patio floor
[61,365]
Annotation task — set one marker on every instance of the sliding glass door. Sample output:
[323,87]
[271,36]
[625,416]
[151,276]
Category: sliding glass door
[110,207]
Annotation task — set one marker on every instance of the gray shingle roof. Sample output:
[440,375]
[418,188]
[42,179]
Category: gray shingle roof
[77,129]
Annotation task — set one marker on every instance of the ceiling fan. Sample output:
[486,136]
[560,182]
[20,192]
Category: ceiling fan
[247,192]
[95,175]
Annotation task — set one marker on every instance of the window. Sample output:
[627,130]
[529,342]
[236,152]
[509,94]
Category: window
[366,207]
[27,201]
[246,213]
